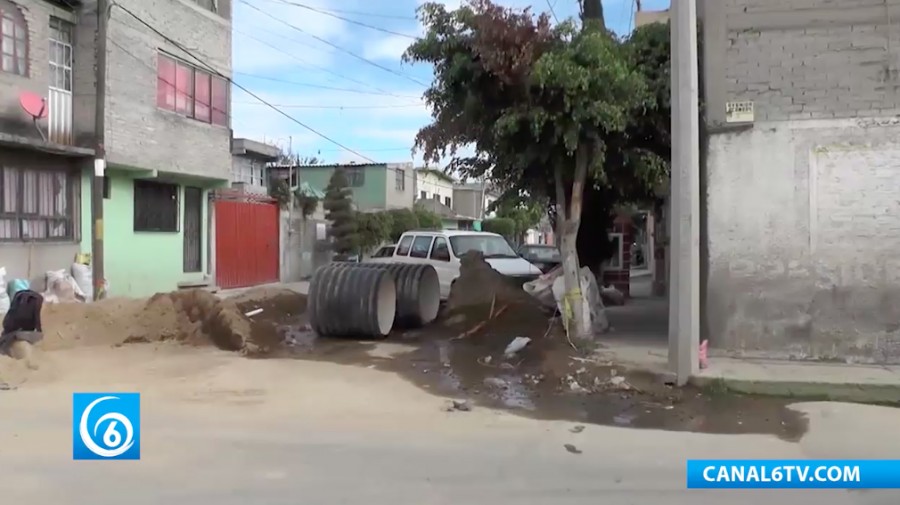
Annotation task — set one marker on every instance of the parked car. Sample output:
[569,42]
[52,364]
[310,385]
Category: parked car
[545,257]
[443,249]
[384,254]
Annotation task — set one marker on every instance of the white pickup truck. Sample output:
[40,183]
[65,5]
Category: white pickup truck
[443,249]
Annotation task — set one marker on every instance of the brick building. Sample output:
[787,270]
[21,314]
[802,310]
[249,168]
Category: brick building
[802,207]
[167,137]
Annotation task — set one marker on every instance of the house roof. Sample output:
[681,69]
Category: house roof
[330,165]
[253,149]
[437,173]
[438,208]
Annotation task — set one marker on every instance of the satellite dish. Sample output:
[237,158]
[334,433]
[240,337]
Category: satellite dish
[34,104]
[36,107]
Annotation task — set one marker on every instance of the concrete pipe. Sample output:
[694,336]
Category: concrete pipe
[418,292]
[352,302]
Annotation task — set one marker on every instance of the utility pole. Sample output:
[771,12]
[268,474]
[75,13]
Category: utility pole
[684,286]
[99,154]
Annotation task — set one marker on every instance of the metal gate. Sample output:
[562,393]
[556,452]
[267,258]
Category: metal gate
[247,241]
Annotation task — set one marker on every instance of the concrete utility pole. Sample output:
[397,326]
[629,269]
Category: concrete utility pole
[684,287]
[99,154]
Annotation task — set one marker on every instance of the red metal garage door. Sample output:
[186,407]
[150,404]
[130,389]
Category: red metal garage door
[246,243]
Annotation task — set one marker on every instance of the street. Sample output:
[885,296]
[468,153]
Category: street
[221,429]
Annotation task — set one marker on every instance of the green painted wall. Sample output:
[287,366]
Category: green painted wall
[371,196]
[141,263]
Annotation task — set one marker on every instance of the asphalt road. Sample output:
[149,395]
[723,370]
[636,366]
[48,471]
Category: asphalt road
[220,430]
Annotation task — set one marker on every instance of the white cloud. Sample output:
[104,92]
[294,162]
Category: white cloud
[253,56]
[390,48]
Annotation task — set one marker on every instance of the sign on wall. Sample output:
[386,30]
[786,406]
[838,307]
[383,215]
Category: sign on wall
[739,112]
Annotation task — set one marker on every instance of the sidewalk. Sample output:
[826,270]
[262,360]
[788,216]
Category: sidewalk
[301,287]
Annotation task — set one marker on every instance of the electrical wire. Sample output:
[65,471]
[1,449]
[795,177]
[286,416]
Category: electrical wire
[352,12]
[553,12]
[219,74]
[335,46]
[244,89]
[321,86]
[342,107]
[312,65]
[351,21]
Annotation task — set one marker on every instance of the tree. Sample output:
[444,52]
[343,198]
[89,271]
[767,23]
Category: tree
[402,220]
[543,106]
[339,211]
[501,226]
[427,220]
[374,229]
[524,211]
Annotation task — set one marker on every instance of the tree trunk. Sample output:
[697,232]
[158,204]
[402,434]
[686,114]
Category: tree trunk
[568,222]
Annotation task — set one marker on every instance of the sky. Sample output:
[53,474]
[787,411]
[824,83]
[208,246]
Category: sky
[346,80]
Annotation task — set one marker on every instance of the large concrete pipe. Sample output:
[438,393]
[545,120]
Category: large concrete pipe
[418,291]
[352,302]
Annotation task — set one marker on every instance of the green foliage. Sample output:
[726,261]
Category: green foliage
[525,213]
[532,98]
[339,211]
[306,203]
[374,229]
[427,220]
[402,220]
[501,226]
[280,191]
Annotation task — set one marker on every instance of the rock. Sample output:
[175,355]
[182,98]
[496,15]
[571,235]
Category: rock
[515,346]
[495,382]
[459,405]
[572,449]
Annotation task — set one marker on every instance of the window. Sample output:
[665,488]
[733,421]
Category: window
[423,195]
[615,263]
[440,251]
[191,92]
[447,201]
[436,197]
[60,54]
[249,172]
[491,246]
[400,182]
[385,252]
[404,245]
[38,205]
[155,206]
[420,247]
[13,39]
[356,177]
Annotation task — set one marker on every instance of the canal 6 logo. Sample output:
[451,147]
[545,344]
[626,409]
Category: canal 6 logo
[106,426]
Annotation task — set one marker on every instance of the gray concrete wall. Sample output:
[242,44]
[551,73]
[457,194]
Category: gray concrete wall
[803,221]
[466,202]
[400,199]
[141,135]
[37,15]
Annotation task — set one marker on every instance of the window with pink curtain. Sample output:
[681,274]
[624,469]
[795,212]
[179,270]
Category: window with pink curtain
[219,101]
[202,94]
[184,89]
[165,83]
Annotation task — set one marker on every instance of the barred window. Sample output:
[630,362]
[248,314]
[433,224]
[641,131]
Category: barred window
[38,205]
[155,206]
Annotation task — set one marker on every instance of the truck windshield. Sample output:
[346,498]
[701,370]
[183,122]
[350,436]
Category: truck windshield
[489,245]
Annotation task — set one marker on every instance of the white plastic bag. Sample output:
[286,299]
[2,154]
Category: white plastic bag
[592,309]
[61,288]
[4,296]
[84,278]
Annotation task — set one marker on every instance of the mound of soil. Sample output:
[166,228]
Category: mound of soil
[192,317]
[494,306]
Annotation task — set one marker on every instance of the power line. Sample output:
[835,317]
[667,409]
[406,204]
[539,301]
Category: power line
[354,13]
[313,65]
[351,21]
[245,90]
[321,86]
[310,106]
[552,11]
[339,48]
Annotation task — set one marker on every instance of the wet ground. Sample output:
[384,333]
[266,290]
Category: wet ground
[548,379]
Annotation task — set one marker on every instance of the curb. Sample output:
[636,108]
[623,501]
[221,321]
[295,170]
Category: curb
[808,391]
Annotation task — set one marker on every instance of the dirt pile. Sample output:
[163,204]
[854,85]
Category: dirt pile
[192,317]
[483,296]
